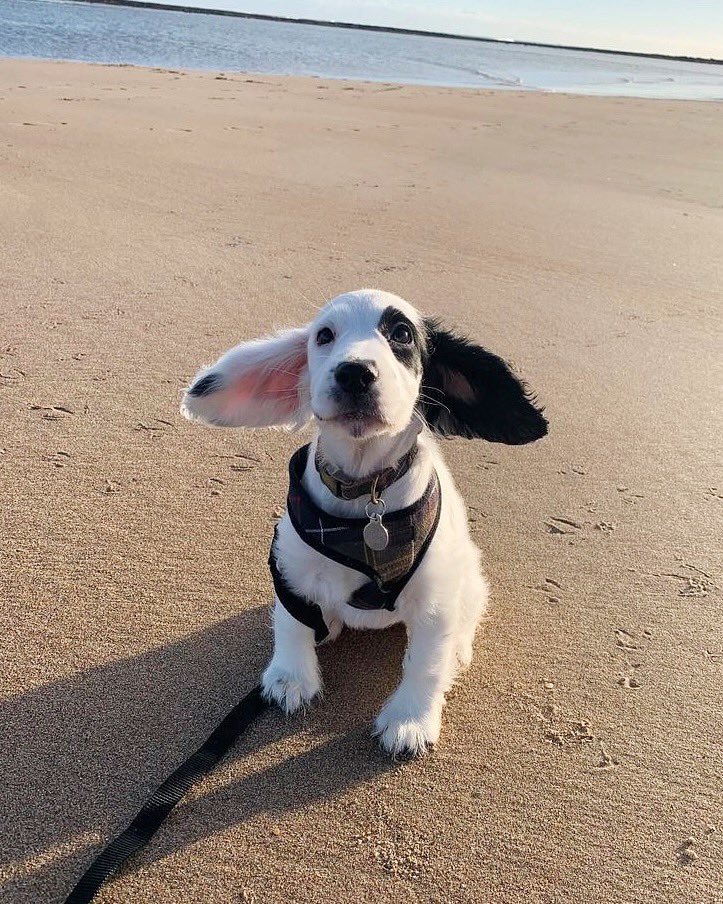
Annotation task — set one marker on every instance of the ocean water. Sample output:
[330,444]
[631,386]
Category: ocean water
[54,29]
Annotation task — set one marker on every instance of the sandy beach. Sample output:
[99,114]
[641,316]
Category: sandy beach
[148,220]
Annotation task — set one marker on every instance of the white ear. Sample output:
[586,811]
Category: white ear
[263,383]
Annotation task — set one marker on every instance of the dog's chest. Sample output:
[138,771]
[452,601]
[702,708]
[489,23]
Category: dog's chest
[325,582]
[312,574]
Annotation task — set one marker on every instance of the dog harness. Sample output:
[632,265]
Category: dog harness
[342,540]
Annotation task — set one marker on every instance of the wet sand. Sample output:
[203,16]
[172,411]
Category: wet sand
[148,220]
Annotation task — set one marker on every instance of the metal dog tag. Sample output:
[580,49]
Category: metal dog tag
[376,536]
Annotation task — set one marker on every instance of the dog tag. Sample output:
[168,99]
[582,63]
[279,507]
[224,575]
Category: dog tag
[376,536]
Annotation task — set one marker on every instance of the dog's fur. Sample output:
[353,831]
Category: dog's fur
[437,383]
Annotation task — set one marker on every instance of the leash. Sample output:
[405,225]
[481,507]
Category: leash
[164,799]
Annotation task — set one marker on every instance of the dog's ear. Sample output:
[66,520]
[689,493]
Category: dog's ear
[263,383]
[468,391]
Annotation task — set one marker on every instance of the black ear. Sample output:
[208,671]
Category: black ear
[468,391]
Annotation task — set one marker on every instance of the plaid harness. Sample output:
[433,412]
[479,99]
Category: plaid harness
[341,539]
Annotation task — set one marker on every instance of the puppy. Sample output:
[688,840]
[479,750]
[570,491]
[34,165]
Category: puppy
[377,381]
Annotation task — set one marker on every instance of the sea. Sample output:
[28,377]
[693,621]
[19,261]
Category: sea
[62,30]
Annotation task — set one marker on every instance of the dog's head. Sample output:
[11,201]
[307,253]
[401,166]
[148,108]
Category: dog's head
[366,366]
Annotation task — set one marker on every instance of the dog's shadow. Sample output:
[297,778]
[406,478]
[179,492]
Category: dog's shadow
[89,750]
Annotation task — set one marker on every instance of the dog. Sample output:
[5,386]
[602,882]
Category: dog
[379,382]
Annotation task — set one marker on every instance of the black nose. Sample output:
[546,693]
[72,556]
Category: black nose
[356,376]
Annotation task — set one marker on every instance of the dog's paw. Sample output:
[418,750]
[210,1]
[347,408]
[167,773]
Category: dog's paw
[402,732]
[290,690]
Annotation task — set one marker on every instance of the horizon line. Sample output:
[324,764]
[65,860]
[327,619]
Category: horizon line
[390,29]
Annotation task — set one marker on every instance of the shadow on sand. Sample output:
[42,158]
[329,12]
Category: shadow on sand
[88,751]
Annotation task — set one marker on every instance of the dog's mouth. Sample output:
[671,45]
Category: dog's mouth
[359,421]
[362,425]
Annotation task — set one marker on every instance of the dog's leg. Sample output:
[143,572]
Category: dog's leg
[292,677]
[411,718]
[474,605]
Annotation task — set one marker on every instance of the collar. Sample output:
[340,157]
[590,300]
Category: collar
[344,487]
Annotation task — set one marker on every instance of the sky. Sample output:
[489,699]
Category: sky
[694,28]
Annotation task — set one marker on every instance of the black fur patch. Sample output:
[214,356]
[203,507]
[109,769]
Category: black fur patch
[410,355]
[206,385]
[467,391]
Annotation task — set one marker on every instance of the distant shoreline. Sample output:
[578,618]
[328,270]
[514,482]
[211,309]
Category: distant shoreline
[147,4]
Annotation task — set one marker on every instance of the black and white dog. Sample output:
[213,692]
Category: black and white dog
[375,530]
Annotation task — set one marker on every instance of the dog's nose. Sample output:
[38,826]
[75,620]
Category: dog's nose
[356,376]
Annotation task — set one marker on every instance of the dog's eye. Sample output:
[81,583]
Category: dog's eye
[401,334]
[324,336]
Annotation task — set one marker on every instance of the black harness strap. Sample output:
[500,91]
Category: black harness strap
[303,610]
[165,798]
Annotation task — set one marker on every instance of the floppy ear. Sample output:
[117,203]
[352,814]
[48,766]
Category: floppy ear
[473,393]
[263,383]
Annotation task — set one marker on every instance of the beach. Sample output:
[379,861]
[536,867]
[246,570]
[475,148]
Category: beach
[150,219]
[187,37]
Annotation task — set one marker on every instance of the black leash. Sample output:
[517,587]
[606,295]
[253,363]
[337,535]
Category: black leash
[165,798]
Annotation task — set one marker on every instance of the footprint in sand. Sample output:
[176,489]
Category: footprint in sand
[557,525]
[689,851]
[240,461]
[567,526]
[52,412]
[630,648]
[629,498]
[214,484]
[562,730]
[158,425]
[625,640]
[13,375]
[700,584]
[474,516]
[552,588]
[696,587]
[58,459]
[607,761]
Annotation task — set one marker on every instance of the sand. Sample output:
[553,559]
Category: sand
[148,220]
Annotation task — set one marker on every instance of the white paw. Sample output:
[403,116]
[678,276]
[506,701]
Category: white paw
[290,688]
[402,731]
